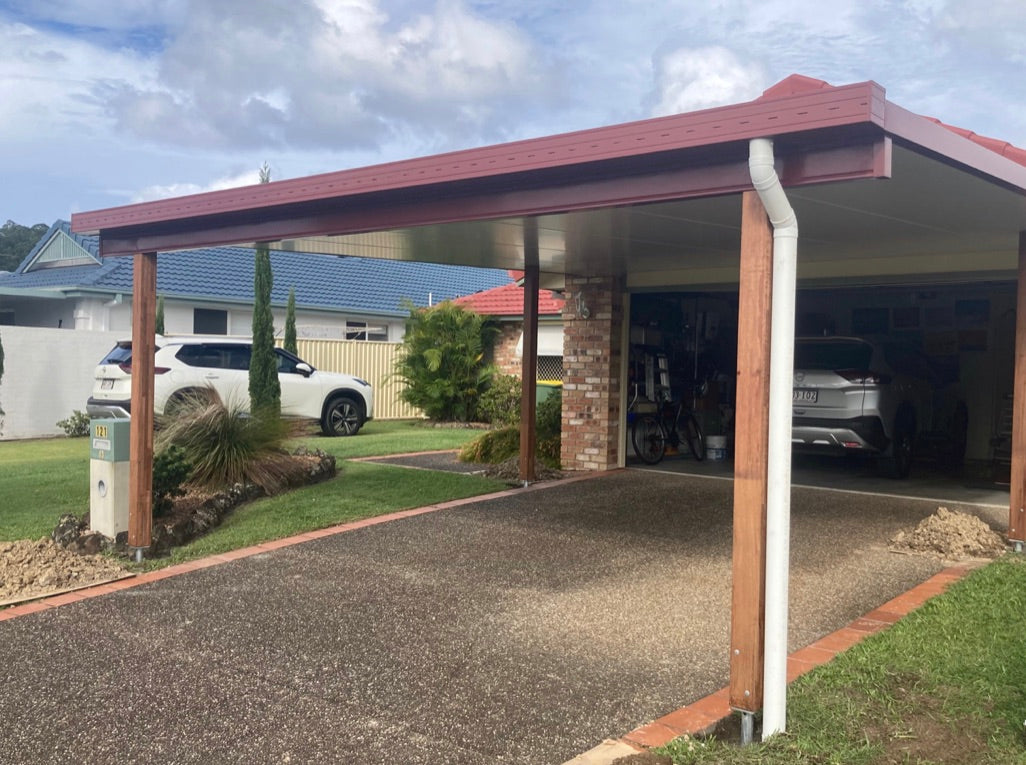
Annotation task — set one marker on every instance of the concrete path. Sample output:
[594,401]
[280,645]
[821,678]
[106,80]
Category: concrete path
[523,629]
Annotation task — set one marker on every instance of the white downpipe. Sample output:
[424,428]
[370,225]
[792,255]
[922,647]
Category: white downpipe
[778,491]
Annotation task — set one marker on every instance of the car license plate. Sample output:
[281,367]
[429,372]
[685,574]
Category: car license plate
[106,384]
[806,395]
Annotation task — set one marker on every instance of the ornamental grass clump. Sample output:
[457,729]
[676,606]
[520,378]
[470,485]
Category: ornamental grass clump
[226,445]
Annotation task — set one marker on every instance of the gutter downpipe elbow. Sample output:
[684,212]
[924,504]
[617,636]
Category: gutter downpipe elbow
[778,469]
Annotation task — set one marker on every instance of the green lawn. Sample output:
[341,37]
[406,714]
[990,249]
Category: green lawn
[947,684]
[362,490]
[41,479]
[380,437]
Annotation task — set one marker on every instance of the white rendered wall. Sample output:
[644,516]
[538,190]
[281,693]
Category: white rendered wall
[48,374]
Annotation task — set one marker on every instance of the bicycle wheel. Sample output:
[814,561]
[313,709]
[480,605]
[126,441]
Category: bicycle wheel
[688,427]
[648,439]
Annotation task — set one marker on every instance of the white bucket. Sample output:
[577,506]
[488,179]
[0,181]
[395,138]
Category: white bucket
[716,447]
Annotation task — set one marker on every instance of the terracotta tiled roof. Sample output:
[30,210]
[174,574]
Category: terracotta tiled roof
[798,83]
[508,300]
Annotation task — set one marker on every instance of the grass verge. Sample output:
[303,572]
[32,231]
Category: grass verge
[947,684]
[361,490]
[42,479]
[379,438]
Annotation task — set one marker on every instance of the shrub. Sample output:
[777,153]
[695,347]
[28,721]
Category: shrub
[500,445]
[75,426]
[226,445]
[442,361]
[549,415]
[171,469]
[492,446]
[500,404]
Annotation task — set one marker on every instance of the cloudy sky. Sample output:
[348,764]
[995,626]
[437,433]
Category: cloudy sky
[107,102]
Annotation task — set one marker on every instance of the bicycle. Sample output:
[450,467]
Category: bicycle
[669,426]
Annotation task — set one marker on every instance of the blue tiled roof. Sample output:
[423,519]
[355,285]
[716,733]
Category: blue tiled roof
[226,274]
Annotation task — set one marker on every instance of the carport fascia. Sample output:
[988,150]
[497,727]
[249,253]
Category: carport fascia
[821,135]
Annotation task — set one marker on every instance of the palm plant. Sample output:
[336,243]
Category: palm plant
[443,361]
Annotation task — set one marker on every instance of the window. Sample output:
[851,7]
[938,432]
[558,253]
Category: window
[215,356]
[206,321]
[286,362]
[360,330]
[6,318]
[550,368]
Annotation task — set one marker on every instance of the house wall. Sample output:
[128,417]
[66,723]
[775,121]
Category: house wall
[102,314]
[505,349]
[178,320]
[40,313]
[48,374]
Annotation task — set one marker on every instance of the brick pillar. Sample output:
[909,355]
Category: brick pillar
[591,360]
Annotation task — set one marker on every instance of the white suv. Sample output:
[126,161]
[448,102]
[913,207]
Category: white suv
[886,398]
[184,365]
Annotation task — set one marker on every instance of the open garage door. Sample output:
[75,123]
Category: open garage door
[933,364]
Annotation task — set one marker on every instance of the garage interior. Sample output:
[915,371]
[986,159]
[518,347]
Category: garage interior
[684,344]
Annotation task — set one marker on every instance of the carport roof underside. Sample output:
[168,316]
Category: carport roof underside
[881,195]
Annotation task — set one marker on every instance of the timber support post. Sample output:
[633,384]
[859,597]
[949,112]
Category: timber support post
[748,599]
[529,367]
[1017,492]
[140,475]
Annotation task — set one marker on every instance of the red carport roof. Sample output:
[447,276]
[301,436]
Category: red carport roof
[822,134]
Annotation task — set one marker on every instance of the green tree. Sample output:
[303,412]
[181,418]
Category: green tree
[443,360]
[16,241]
[264,388]
[160,315]
[290,343]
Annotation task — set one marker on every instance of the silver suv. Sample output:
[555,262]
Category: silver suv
[852,395]
[184,365]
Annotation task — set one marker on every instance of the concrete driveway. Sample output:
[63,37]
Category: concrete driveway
[522,629]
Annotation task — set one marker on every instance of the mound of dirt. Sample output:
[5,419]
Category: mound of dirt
[30,568]
[951,536]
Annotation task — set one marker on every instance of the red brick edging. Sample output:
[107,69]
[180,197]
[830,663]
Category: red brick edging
[703,715]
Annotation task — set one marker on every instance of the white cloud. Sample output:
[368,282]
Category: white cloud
[46,82]
[102,97]
[326,73]
[698,78]
[247,178]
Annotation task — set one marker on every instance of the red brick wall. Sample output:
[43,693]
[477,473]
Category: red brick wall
[591,360]
[505,352]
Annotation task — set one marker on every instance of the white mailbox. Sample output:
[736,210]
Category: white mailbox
[108,476]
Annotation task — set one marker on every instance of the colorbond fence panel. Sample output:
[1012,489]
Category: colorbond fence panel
[373,361]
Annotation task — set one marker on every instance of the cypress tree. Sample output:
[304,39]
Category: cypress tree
[264,388]
[160,315]
[290,344]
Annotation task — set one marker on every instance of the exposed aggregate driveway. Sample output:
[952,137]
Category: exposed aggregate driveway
[523,629]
